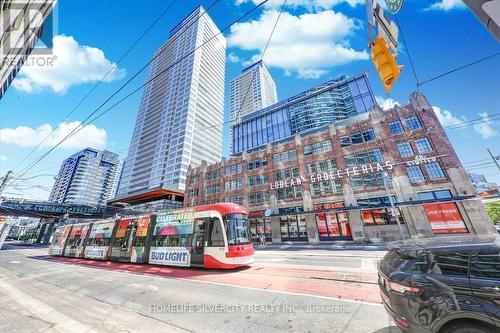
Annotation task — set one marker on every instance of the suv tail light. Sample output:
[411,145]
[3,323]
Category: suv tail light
[401,321]
[399,288]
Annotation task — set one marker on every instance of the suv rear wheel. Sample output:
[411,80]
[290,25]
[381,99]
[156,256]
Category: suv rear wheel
[466,326]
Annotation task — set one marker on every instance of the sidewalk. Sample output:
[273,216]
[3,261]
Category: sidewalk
[339,245]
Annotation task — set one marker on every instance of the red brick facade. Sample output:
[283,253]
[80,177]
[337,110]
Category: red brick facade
[326,147]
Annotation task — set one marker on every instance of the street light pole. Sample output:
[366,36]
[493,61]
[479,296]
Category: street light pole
[394,211]
[494,158]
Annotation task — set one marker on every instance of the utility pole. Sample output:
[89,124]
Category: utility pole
[4,228]
[394,211]
[5,179]
[495,158]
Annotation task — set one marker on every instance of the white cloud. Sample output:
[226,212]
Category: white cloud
[233,57]
[72,64]
[484,129]
[307,44]
[386,103]
[446,118]
[89,136]
[446,5]
[309,4]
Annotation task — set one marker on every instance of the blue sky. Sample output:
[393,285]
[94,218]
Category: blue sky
[314,41]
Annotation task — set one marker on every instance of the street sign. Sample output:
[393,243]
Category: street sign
[387,28]
[394,5]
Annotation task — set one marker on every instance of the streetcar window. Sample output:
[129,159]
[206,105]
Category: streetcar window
[139,242]
[172,240]
[216,237]
[237,229]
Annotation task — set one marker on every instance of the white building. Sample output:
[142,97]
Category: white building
[179,121]
[21,24]
[480,183]
[87,177]
[252,90]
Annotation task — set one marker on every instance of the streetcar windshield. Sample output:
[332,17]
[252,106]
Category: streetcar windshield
[237,229]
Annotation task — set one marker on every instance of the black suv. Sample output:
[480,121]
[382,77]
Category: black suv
[443,284]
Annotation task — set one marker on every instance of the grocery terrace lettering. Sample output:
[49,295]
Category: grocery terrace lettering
[322,176]
[354,171]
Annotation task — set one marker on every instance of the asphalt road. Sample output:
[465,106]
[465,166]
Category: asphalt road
[280,293]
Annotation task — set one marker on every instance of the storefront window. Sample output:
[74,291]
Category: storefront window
[259,225]
[380,216]
[293,226]
[332,225]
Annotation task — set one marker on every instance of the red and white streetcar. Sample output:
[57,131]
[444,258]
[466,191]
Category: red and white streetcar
[211,236]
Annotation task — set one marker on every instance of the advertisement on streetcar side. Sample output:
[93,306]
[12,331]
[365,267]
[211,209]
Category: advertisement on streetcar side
[175,256]
[179,222]
[139,252]
[81,245]
[96,252]
[57,247]
[99,240]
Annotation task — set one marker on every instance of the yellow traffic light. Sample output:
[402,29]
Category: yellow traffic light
[385,63]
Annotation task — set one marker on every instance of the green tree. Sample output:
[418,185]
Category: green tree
[493,209]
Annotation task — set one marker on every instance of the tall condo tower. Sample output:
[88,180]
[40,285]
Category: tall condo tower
[252,90]
[87,177]
[182,109]
[262,93]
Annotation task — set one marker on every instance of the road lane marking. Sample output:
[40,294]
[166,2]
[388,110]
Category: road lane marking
[62,323]
[276,291]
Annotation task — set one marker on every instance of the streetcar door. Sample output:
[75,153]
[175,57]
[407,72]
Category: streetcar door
[198,242]
[126,249]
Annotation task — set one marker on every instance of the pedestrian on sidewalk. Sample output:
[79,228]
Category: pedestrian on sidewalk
[263,240]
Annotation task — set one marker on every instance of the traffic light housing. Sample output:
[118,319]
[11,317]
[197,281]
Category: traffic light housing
[385,63]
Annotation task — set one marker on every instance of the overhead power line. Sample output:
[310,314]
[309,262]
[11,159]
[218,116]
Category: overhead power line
[470,162]
[466,123]
[115,65]
[238,113]
[21,174]
[83,124]
[458,68]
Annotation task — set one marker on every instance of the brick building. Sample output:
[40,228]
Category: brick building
[336,183]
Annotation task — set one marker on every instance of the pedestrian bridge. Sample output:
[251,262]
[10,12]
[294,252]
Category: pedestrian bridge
[45,209]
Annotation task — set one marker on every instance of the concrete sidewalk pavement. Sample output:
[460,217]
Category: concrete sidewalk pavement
[297,246]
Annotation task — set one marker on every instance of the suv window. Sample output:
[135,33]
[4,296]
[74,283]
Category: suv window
[397,260]
[450,263]
[486,264]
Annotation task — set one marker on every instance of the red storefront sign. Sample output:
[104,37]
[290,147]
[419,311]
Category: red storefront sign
[445,218]
[258,213]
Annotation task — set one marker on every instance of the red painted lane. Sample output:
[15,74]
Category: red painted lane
[344,285]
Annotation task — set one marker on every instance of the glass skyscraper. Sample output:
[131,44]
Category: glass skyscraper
[87,177]
[252,90]
[315,108]
[181,111]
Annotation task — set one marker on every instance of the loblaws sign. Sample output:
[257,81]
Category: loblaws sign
[338,174]
[354,171]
